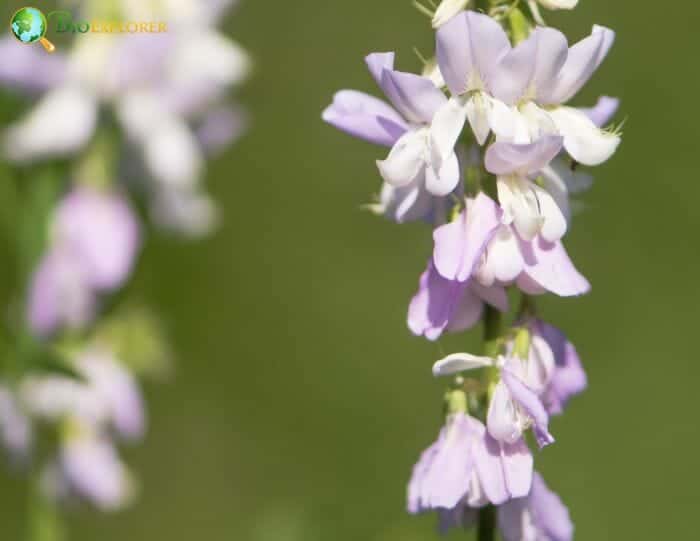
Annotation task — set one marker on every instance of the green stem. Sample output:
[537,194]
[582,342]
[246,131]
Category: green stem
[486,529]
[487,524]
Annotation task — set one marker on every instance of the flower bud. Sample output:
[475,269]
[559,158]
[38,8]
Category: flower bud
[448,9]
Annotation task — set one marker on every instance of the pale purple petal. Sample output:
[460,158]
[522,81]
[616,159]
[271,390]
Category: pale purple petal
[441,477]
[60,294]
[548,266]
[415,97]
[508,158]
[365,117]
[531,404]
[534,64]
[468,49]
[118,388]
[94,472]
[16,433]
[569,377]
[442,304]
[487,460]
[549,513]
[495,296]
[377,63]
[220,128]
[583,59]
[102,231]
[603,111]
[517,467]
[29,68]
[460,244]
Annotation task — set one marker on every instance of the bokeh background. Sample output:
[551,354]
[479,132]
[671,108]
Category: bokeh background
[300,401]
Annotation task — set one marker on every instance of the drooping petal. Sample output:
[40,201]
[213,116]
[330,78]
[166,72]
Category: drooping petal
[468,48]
[568,378]
[518,465]
[583,140]
[549,512]
[406,160]
[528,400]
[437,299]
[460,362]
[478,109]
[102,232]
[489,467]
[503,420]
[365,117]
[460,244]
[548,265]
[441,477]
[60,294]
[603,111]
[504,158]
[95,472]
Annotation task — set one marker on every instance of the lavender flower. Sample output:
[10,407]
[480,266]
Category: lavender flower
[94,245]
[466,465]
[541,516]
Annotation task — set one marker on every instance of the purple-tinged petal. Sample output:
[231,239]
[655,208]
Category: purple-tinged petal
[534,64]
[16,433]
[377,63]
[60,294]
[495,296]
[415,97]
[95,472]
[603,111]
[441,477]
[102,232]
[568,378]
[507,158]
[547,265]
[531,404]
[119,390]
[460,244]
[583,59]
[365,117]
[549,512]
[439,300]
[468,49]
[220,128]
[517,467]
[29,68]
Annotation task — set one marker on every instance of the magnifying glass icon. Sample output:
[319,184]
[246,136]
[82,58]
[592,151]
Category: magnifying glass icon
[29,25]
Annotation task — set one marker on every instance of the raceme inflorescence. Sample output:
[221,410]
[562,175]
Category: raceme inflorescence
[485,148]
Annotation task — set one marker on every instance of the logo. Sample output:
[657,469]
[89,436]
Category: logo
[29,25]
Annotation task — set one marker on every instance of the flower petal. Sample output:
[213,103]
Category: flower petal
[405,161]
[583,140]
[460,244]
[528,400]
[460,362]
[504,158]
[365,117]
[415,97]
[601,113]
[548,265]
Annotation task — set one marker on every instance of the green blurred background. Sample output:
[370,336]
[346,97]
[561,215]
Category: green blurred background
[300,400]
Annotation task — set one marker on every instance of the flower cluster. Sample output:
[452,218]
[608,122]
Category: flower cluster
[485,148]
[116,123]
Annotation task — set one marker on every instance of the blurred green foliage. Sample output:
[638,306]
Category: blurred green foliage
[299,400]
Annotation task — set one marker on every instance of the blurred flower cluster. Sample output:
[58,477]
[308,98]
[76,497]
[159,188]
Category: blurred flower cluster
[111,134]
[487,151]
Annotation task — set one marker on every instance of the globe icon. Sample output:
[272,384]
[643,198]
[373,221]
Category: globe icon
[29,26]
